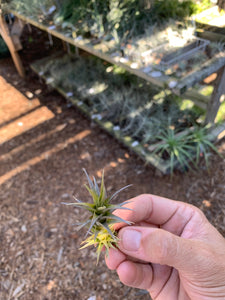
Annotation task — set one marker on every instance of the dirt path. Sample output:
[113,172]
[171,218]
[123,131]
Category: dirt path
[44,144]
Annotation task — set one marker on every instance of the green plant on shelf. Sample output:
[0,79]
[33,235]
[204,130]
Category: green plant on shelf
[38,9]
[158,120]
[175,147]
[110,19]
[185,148]
[152,129]
[109,103]
[202,143]
[173,9]
[129,102]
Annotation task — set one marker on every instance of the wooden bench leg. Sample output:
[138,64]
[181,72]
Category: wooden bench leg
[214,103]
[4,31]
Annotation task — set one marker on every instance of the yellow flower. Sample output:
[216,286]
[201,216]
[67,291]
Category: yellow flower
[102,239]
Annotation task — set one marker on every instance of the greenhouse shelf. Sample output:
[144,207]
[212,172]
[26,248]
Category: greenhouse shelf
[145,153]
[149,74]
[178,84]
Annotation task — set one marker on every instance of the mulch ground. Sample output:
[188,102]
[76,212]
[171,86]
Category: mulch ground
[44,144]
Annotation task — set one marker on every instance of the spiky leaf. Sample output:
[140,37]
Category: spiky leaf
[101,220]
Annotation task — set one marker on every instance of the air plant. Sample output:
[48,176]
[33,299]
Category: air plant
[101,232]
[177,146]
[201,139]
[152,128]
[39,9]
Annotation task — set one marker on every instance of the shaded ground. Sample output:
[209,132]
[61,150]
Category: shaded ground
[44,144]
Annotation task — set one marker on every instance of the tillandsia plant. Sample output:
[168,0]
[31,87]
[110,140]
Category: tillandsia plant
[100,223]
[176,146]
[203,144]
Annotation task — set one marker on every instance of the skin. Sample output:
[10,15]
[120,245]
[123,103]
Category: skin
[171,250]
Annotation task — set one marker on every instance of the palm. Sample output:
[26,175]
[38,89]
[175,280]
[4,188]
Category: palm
[165,226]
[167,282]
[170,285]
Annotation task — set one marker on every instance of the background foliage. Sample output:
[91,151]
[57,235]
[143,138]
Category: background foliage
[116,18]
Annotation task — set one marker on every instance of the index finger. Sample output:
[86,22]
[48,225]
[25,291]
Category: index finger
[168,214]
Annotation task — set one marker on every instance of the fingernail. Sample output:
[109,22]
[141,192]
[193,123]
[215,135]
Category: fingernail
[131,239]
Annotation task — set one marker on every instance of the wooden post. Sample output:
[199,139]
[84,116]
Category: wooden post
[16,32]
[214,103]
[4,31]
[64,46]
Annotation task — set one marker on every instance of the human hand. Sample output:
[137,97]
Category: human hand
[171,250]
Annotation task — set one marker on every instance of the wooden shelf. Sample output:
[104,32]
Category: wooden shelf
[109,127]
[179,86]
[162,81]
[145,153]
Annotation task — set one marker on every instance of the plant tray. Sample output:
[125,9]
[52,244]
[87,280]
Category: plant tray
[166,55]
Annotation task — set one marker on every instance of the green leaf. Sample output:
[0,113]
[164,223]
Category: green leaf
[83,225]
[105,225]
[118,219]
[96,187]
[93,222]
[87,205]
[120,190]
[102,191]
[89,180]
[93,194]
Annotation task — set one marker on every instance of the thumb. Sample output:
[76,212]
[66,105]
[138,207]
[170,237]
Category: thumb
[162,247]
